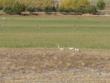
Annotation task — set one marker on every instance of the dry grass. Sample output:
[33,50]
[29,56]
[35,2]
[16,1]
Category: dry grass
[54,66]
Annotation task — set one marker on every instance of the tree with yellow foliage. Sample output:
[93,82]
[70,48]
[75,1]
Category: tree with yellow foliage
[42,4]
[6,3]
[67,4]
[73,4]
[82,3]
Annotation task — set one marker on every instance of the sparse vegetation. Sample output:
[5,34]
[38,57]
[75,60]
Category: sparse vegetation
[39,65]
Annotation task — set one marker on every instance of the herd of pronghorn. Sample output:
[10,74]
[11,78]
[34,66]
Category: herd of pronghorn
[70,48]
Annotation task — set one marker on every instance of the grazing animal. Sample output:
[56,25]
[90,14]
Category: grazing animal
[71,48]
[76,50]
[61,49]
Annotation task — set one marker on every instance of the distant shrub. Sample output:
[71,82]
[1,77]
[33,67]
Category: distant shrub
[50,9]
[100,4]
[1,7]
[87,9]
[31,9]
[80,10]
[61,9]
[91,9]
[17,8]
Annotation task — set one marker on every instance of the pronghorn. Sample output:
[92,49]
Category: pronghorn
[61,49]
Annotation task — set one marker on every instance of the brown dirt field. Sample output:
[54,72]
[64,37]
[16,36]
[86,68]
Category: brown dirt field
[32,65]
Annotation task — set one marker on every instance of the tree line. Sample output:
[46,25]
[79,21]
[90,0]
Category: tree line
[76,6]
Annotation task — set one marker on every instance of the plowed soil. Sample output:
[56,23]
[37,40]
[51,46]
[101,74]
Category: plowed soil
[32,65]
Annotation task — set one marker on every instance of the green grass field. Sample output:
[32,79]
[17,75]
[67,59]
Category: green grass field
[51,31]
